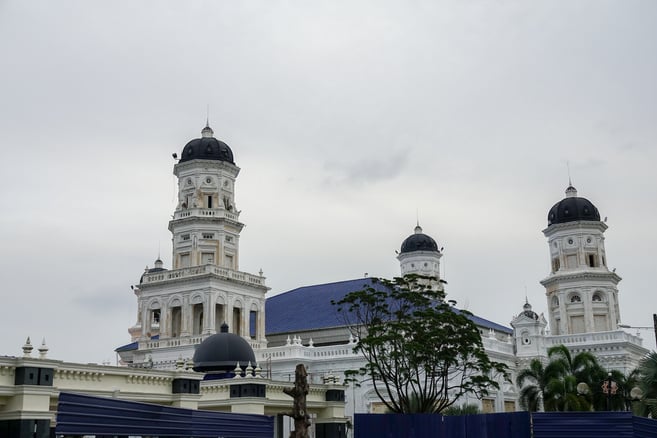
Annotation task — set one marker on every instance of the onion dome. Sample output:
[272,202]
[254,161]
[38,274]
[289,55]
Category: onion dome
[207,148]
[572,208]
[418,242]
[221,352]
[528,312]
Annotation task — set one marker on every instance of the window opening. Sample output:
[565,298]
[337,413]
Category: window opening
[253,323]
[237,313]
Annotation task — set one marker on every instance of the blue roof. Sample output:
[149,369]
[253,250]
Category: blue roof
[309,308]
[132,345]
[127,347]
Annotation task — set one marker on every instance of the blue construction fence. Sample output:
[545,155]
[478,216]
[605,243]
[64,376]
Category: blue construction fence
[512,424]
[80,415]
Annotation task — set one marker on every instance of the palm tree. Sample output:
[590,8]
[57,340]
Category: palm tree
[557,385]
[533,382]
[647,382]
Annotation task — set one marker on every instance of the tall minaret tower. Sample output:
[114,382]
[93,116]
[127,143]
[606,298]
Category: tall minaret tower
[582,293]
[180,307]
[205,226]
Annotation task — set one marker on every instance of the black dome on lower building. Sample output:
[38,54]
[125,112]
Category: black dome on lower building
[207,148]
[419,242]
[222,352]
[572,208]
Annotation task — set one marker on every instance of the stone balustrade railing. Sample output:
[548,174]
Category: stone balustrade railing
[596,338]
[206,212]
[196,271]
[296,351]
[496,345]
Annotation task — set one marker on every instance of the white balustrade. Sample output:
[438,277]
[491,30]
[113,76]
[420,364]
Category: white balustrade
[205,212]
[196,271]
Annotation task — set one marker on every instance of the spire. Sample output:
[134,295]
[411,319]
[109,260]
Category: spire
[207,131]
[571,191]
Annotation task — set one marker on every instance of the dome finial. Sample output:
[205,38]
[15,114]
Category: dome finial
[570,190]
[207,131]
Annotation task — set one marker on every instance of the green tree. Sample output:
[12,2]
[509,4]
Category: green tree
[421,354]
[569,372]
[467,409]
[533,383]
[647,382]
[565,383]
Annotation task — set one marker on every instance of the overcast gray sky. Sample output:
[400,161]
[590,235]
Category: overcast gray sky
[346,118]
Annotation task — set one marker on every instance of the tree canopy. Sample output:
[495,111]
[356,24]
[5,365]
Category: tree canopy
[571,383]
[421,354]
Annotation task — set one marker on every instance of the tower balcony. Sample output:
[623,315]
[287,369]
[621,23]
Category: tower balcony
[218,213]
[199,271]
[600,339]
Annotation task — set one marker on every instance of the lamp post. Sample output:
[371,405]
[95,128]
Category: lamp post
[609,387]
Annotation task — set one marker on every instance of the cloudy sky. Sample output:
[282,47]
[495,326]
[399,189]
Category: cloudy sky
[347,119]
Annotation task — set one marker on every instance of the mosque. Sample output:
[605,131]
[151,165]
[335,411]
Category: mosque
[206,337]
[179,308]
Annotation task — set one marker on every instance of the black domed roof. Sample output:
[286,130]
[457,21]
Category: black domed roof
[207,148]
[222,352]
[572,208]
[419,241]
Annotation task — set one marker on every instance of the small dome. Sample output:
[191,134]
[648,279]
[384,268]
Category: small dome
[159,266]
[207,148]
[528,312]
[572,208]
[221,352]
[418,241]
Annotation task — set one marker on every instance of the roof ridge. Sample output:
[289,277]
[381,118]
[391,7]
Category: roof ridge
[321,284]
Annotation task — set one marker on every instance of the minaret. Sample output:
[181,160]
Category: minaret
[582,293]
[181,306]
[420,255]
[205,226]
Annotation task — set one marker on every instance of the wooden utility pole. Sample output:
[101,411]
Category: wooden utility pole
[299,411]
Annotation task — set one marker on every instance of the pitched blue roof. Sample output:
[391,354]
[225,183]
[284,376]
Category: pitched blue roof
[309,308]
[132,345]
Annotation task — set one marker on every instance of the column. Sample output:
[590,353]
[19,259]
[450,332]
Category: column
[145,322]
[208,311]
[589,323]
[164,321]
[564,322]
[187,317]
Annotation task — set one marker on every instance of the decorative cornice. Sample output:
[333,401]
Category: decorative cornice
[205,164]
[142,379]
[555,228]
[581,275]
[79,375]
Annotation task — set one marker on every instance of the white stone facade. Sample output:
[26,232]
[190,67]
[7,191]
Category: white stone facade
[179,308]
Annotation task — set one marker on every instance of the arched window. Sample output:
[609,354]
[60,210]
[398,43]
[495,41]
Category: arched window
[575,299]
[596,297]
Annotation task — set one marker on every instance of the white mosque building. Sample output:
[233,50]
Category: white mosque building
[178,308]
